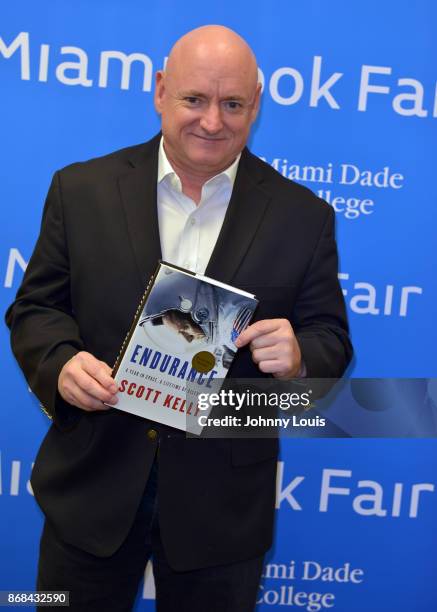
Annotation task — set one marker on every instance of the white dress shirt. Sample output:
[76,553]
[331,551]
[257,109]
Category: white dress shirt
[188,232]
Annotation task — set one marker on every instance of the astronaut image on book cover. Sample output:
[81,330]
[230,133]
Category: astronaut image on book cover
[189,315]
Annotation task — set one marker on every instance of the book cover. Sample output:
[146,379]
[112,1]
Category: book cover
[181,343]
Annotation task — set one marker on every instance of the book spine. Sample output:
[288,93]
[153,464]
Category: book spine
[135,321]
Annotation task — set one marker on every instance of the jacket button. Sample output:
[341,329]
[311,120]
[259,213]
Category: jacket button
[152,434]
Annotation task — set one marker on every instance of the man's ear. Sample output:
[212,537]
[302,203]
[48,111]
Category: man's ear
[159,90]
[256,102]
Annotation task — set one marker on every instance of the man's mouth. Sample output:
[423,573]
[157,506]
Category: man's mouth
[210,138]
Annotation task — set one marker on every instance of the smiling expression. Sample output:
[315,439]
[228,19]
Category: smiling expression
[208,98]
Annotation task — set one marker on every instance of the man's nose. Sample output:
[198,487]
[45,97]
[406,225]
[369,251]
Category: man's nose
[211,120]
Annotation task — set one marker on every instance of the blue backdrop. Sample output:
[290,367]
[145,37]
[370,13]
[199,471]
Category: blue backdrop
[350,110]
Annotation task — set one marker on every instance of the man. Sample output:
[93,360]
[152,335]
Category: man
[202,508]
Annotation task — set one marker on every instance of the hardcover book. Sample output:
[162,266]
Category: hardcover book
[181,344]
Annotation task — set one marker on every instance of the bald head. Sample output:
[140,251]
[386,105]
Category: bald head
[208,98]
[217,46]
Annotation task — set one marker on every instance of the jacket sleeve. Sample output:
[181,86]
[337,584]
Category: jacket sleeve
[44,333]
[319,316]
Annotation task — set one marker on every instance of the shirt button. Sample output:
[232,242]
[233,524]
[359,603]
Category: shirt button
[193,221]
[152,434]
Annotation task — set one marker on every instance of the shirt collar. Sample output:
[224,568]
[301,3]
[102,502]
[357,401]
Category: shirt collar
[165,169]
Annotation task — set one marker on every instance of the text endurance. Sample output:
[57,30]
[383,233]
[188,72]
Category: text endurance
[170,365]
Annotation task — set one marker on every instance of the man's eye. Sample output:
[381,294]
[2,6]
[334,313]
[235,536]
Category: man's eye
[192,100]
[233,105]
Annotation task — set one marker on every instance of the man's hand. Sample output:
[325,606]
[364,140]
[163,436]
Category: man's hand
[86,382]
[274,347]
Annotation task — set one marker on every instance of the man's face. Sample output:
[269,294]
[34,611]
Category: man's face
[182,324]
[207,111]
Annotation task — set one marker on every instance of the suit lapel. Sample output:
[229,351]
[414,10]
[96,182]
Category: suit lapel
[245,212]
[138,195]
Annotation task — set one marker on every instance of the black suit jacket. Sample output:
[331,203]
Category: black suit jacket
[98,246]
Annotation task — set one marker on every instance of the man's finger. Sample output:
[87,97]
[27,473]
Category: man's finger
[271,366]
[265,340]
[264,354]
[103,376]
[92,387]
[255,330]
[100,371]
[83,400]
[76,377]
